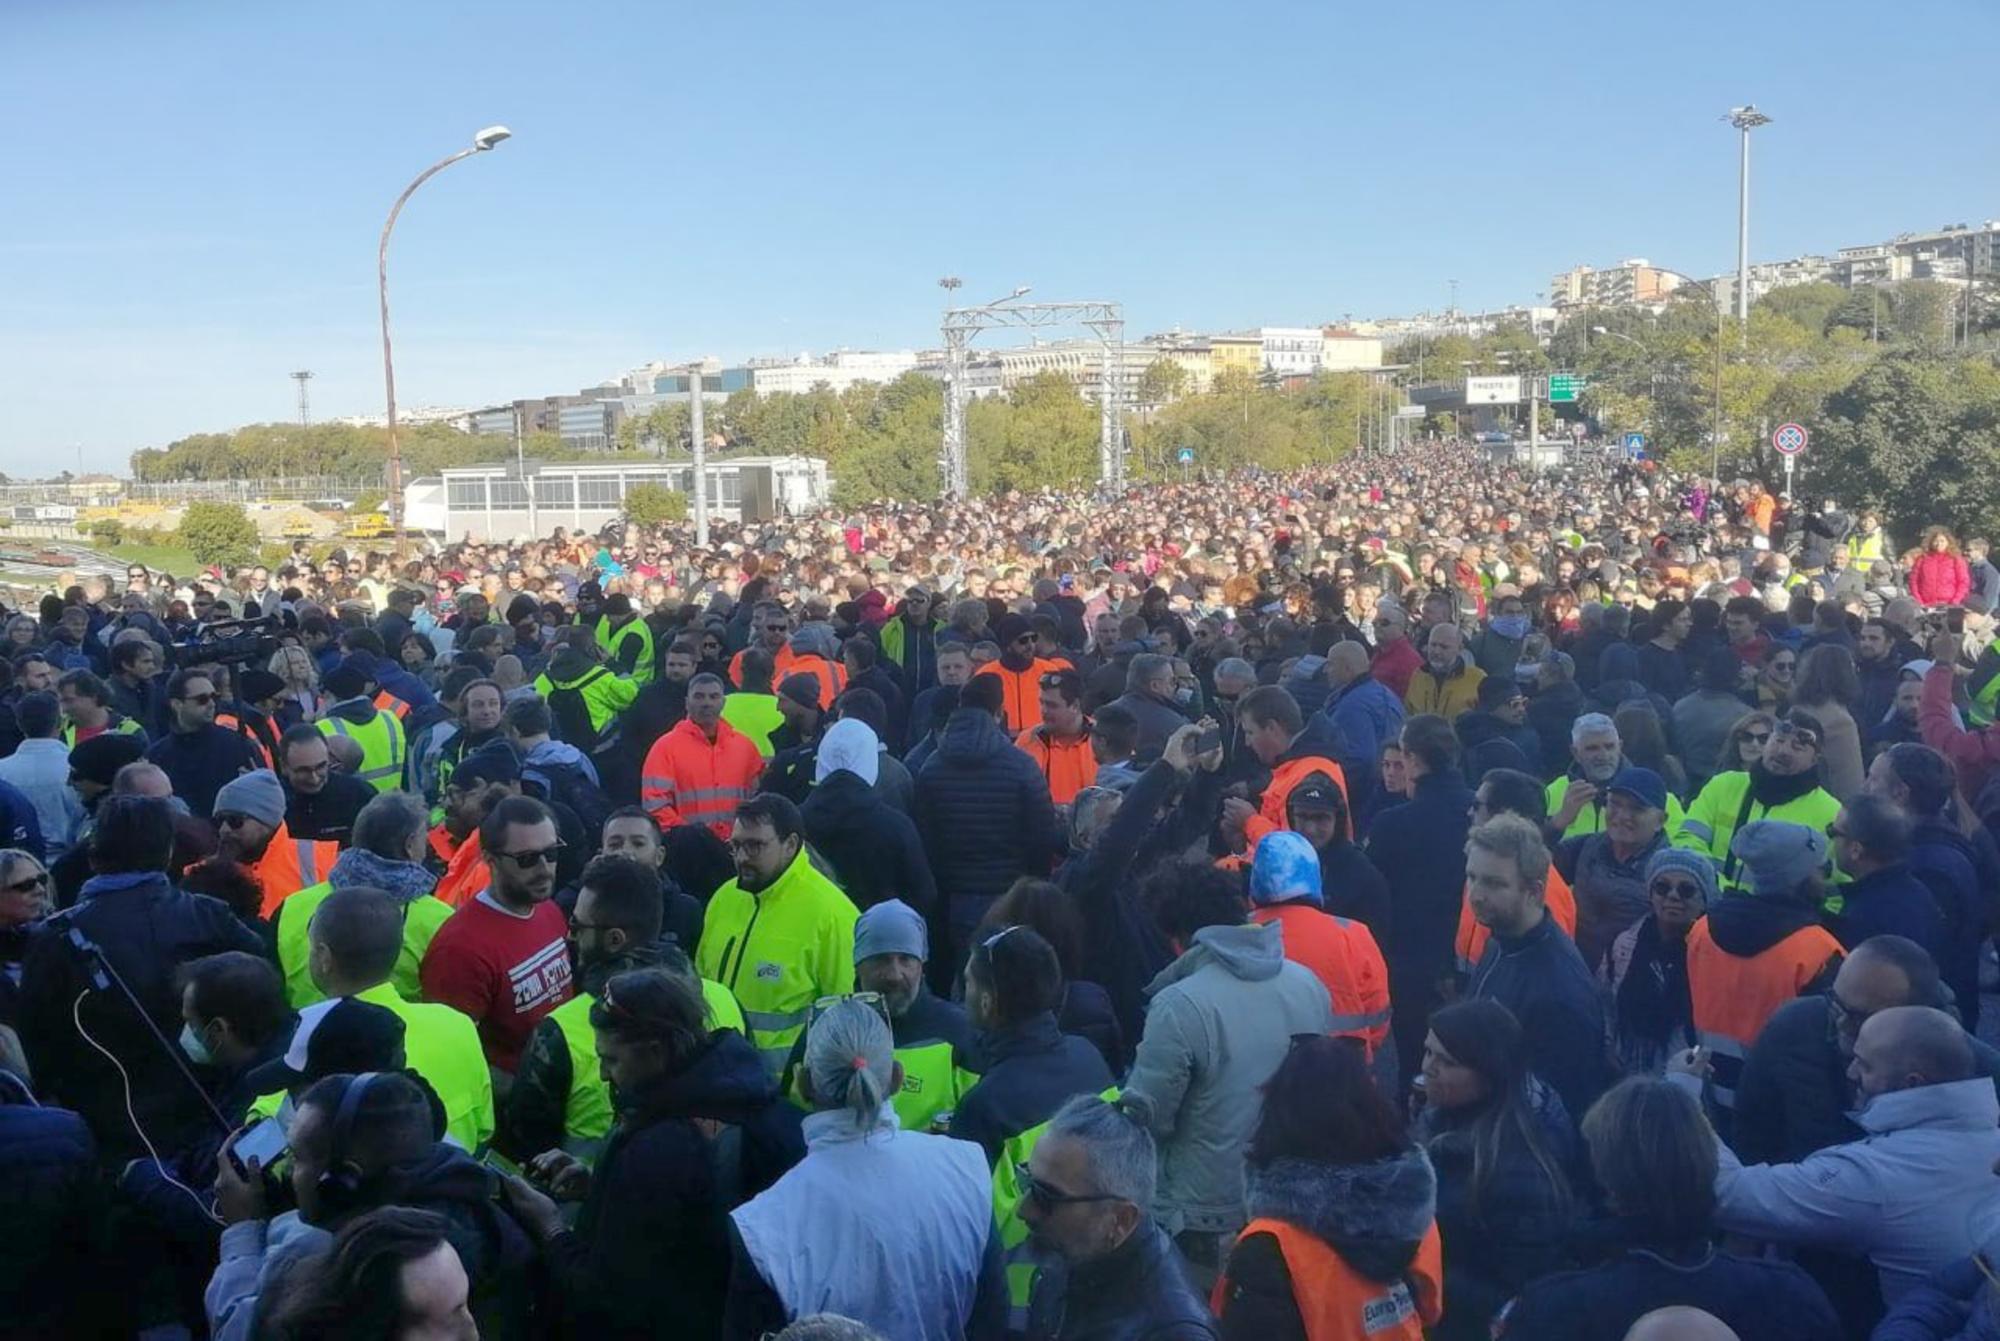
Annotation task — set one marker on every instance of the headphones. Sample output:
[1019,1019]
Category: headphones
[342,1181]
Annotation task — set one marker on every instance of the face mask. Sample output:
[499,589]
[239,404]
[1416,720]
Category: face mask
[196,1050]
[1511,626]
[1184,696]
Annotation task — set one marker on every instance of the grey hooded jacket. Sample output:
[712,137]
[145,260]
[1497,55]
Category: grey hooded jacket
[1219,1021]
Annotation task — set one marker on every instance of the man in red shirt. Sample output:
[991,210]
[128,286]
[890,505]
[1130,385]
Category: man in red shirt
[503,957]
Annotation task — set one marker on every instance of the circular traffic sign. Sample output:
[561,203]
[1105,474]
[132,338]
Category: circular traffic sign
[1790,439]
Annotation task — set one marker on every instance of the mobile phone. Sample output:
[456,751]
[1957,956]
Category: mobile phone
[263,1143]
[1209,740]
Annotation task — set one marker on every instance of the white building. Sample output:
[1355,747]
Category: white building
[1292,351]
[837,371]
[1343,350]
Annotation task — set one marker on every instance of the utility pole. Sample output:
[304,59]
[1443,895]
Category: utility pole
[521,469]
[1746,119]
[1452,311]
[698,432]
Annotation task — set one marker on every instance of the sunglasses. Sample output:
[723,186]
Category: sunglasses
[1685,890]
[1804,734]
[1758,736]
[1051,1198]
[33,882]
[203,699]
[875,1001]
[543,856]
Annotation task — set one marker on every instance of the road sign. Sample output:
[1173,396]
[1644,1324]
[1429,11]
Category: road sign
[1790,439]
[1492,390]
[1187,456]
[1564,388]
[1635,444]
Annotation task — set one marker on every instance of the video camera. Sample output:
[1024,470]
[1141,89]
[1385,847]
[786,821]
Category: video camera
[230,642]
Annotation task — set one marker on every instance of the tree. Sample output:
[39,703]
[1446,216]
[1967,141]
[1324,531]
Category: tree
[107,531]
[1163,381]
[1919,434]
[652,504]
[218,533]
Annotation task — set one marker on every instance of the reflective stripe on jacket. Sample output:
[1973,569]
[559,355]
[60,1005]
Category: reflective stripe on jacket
[1343,955]
[382,747]
[779,950]
[689,779]
[290,864]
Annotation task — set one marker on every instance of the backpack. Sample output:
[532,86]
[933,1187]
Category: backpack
[571,712]
[567,785]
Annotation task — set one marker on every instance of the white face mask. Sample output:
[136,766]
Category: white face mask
[196,1050]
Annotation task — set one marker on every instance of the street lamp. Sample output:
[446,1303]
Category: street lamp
[1746,119]
[484,140]
[1715,431]
[1605,330]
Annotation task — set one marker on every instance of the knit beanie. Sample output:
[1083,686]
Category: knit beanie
[258,795]
[1688,862]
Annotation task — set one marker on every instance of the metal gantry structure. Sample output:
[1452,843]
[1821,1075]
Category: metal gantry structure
[1105,320]
[302,376]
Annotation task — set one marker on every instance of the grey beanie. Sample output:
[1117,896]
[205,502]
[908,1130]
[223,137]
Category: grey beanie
[1688,862]
[891,927]
[258,795]
[1778,856]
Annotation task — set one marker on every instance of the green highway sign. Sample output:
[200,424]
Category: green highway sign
[1564,388]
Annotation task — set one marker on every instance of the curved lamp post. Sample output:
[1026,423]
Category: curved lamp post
[484,140]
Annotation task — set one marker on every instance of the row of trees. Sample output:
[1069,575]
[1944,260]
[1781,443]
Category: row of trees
[340,450]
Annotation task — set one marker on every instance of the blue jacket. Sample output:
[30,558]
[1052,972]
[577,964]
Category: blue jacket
[1419,846]
[1367,715]
[1956,1304]
[390,675]
[23,827]
[1543,980]
[1772,1301]
[984,813]
[1890,902]
[1027,1071]
[53,1270]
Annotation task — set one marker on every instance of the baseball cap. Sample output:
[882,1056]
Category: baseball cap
[345,1035]
[1316,792]
[1642,784]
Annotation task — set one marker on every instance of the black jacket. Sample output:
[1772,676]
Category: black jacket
[1963,875]
[1351,887]
[889,689]
[498,1256]
[1026,1072]
[1552,713]
[1374,1216]
[1543,980]
[650,1254]
[200,762]
[328,813]
[51,1213]
[985,816]
[1136,1292]
[1086,1012]
[873,848]
[1419,846]
[1794,1095]
[1517,1231]
[146,929]
[1772,1301]
[1890,902]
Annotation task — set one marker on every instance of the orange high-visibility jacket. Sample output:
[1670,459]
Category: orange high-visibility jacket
[1022,699]
[1338,1303]
[1734,996]
[1271,814]
[781,666]
[466,874]
[1068,765]
[1470,943]
[1343,955]
[289,865]
[689,779]
[832,676]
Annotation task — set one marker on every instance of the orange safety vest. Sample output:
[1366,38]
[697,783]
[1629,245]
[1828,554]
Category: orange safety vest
[1021,699]
[1343,955]
[781,666]
[389,703]
[1473,934]
[229,721]
[1338,1303]
[832,676]
[1271,815]
[1068,765]
[689,779]
[442,843]
[289,865]
[1733,997]
[466,874]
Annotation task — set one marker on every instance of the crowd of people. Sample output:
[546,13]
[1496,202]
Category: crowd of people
[1407,898]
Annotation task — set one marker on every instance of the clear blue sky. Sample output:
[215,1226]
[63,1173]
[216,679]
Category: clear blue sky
[193,191]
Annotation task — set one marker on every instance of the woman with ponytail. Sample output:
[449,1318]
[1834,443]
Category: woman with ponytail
[889,1227]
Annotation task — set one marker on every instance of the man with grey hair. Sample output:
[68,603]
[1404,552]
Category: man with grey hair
[1529,965]
[1149,697]
[1086,1199]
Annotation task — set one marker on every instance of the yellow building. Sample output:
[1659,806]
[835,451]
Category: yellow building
[1242,353]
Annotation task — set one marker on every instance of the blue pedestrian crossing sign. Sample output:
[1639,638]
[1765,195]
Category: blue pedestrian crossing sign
[1187,456]
[1635,445]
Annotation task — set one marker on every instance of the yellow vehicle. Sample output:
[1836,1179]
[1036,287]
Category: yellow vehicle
[370,526]
[298,529]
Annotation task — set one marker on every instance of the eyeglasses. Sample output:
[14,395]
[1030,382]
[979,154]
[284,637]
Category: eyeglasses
[33,882]
[1685,890]
[539,857]
[1844,1017]
[1052,1198]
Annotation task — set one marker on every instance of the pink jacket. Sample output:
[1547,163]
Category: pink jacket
[1939,579]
